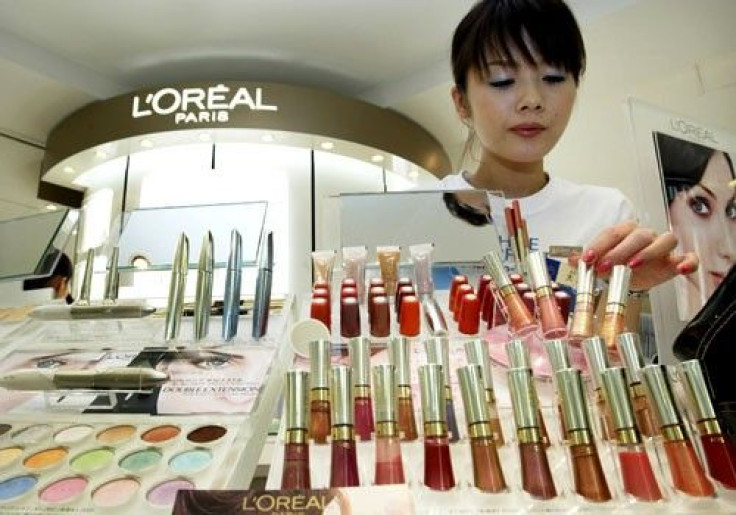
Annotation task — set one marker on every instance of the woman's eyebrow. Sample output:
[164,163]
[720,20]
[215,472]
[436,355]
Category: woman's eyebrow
[707,189]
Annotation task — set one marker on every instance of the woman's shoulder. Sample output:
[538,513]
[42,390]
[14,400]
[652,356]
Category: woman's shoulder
[455,181]
[603,198]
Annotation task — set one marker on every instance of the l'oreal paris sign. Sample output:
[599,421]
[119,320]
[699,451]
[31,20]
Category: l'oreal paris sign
[199,105]
[692,130]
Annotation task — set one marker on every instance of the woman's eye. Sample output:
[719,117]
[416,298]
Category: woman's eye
[699,205]
[502,83]
[212,362]
[555,79]
[50,363]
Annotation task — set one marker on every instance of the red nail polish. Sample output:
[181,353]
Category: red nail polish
[409,324]
[589,256]
[635,262]
[469,319]
[685,268]
[604,266]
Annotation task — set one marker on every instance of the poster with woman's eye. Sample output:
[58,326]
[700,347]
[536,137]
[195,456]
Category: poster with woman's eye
[698,183]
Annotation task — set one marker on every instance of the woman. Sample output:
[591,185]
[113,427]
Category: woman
[702,212]
[517,65]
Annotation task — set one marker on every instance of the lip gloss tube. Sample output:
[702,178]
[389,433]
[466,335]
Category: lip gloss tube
[389,465]
[319,393]
[344,460]
[521,322]
[360,359]
[614,320]
[597,357]
[588,477]
[536,477]
[687,472]
[518,356]
[629,350]
[398,355]
[553,325]
[584,314]
[438,352]
[296,447]
[718,449]
[476,352]
[559,359]
[438,473]
[487,472]
[636,469]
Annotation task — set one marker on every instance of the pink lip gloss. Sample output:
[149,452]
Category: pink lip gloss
[521,321]
[344,460]
[438,352]
[360,359]
[636,470]
[487,472]
[399,356]
[438,473]
[553,325]
[718,448]
[389,465]
[536,477]
[476,351]
[319,393]
[630,352]
[296,448]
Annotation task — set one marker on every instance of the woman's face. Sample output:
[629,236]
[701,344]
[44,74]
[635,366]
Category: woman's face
[518,112]
[704,220]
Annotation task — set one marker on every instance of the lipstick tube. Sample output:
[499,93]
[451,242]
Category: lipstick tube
[349,317]
[399,356]
[521,321]
[438,473]
[456,282]
[597,357]
[380,317]
[614,320]
[687,472]
[112,277]
[360,360]
[203,295]
[588,477]
[584,314]
[389,465]
[344,460]
[553,325]
[718,449]
[438,352]
[319,390]
[518,356]
[629,350]
[637,475]
[559,359]
[469,315]
[409,318]
[295,474]
[476,352]
[487,472]
[462,290]
[178,282]
[536,477]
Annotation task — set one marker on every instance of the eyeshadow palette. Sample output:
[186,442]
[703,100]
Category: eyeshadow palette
[127,467]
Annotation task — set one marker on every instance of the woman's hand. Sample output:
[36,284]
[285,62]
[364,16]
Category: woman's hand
[650,256]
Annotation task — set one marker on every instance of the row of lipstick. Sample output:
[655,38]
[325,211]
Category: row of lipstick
[338,402]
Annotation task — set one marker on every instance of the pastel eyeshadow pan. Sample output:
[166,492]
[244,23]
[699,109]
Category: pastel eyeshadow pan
[161,434]
[92,460]
[163,494]
[116,492]
[8,455]
[16,486]
[46,458]
[206,434]
[116,434]
[63,490]
[189,462]
[139,461]
[73,434]
[32,434]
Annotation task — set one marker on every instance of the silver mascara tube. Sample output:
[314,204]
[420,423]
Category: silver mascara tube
[231,302]
[176,289]
[203,299]
[262,300]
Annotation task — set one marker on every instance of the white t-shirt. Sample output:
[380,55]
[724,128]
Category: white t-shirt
[561,213]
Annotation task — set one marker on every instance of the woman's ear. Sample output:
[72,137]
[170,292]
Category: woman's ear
[461,103]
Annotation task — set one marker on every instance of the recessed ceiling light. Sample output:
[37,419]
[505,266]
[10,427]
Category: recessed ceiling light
[204,136]
[100,154]
[68,169]
[327,145]
[268,138]
[147,143]
[377,158]
[50,207]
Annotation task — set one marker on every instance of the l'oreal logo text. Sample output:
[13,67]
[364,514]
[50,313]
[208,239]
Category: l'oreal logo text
[199,105]
[690,129]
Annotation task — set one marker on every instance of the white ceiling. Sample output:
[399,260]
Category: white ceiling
[58,56]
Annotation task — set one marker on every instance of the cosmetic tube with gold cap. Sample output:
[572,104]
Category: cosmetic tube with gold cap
[584,314]
[438,472]
[319,390]
[614,320]
[518,355]
[629,350]
[588,478]
[553,325]
[687,472]
[637,475]
[175,304]
[399,349]
[718,449]
[296,447]
[476,352]
[389,465]
[521,321]
[438,352]
[559,359]
[487,472]
[344,462]
[536,478]
[596,355]
[360,360]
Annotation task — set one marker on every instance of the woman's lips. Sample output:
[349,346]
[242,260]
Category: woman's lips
[527,130]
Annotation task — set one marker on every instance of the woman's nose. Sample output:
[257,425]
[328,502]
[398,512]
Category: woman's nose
[530,97]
